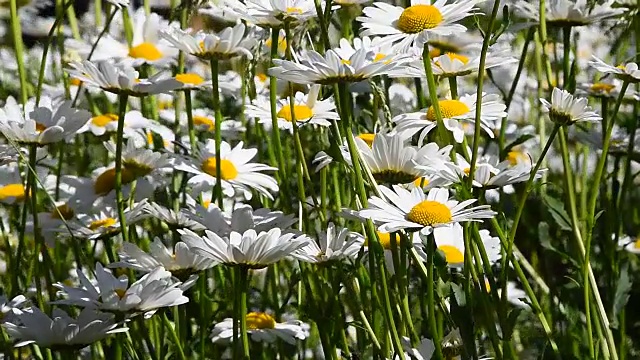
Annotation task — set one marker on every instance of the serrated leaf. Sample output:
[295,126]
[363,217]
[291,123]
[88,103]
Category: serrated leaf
[623,288]
[557,211]
[459,294]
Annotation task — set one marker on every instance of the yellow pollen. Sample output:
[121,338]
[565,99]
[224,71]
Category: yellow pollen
[368,138]
[454,56]
[204,121]
[190,78]
[467,170]
[297,10]
[260,320]
[282,44]
[64,212]
[621,67]
[345,62]
[515,157]
[104,119]
[602,87]
[102,223]
[262,77]
[452,254]
[40,128]
[448,109]
[106,181]
[421,181]
[206,203]
[417,18]
[434,53]
[120,292]
[301,112]
[147,51]
[636,244]
[74,82]
[12,191]
[228,170]
[384,238]
[163,105]
[428,213]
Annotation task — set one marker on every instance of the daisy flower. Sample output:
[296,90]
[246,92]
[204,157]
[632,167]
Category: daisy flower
[272,13]
[454,114]
[413,210]
[385,242]
[334,244]
[12,189]
[307,109]
[108,123]
[629,244]
[10,308]
[204,121]
[193,81]
[262,327]
[32,326]
[564,109]
[454,64]
[450,241]
[182,262]
[174,219]
[227,44]
[250,249]
[628,72]
[151,292]
[562,13]
[414,25]
[515,295]
[242,218]
[47,123]
[101,223]
[602,89]
[313,68]
[121,78]
[237,173]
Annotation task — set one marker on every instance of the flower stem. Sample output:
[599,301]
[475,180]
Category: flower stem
[122,99]
[218,129]
[443,135]
[18,49]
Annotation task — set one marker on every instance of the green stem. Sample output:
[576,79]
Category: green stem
[190,126]
[174,337]
[218,130]
[443,134]
[122,99]
[18,48]
[431,308]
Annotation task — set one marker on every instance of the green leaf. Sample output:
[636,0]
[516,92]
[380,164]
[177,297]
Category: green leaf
[623,287]
[458,293]
[557,211]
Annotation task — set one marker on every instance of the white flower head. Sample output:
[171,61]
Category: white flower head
[229,43]
[626,72]
[565,109]
[334,244]
[262,327]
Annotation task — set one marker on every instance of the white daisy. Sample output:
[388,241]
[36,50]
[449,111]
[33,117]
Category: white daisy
[335,244]
[250,249]
[108,123]
[272,13]
[307,109]
[569,13]
[174,219]
[385,242]
[450,241]
[182,262]
[629,244]
[312,67]
[454,64]
[414,25]
[193,81]
[151,292]
[237,173]
[262,327]
[626,72]
[121,78]
[32,326]
[12,188]
[564,109]
[228,43]
[102,222]
[414,210]
[47,123]
[453,113]
[10,308]
[204,121]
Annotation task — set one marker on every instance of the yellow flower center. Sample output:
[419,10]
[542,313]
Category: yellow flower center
[297,10]
[228,171]
[636,244]
[102,223]
[282,43]
[12,191]
[40,128]
[163,105]
[106,181]
[428,213]
[448,109]
[204,121]
[190,78]
[384,238]
[602,87]
[74,82]
[345,62]
[452,254]
[147,51]
[466,170]
[417,18]
[260,320]
[301,112]
[262,77]
[104,119]
[454,56]
[63,211]
[120,292]
[515,157]
[434,53]
[368,138]
[421,181]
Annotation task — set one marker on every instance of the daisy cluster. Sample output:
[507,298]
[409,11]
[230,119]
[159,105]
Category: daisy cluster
[318,179]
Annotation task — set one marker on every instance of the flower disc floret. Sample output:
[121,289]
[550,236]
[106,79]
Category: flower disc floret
[299,111]
[429,213]
[260,320]
[147,51]
[448,109]
[418,18]
[228,169]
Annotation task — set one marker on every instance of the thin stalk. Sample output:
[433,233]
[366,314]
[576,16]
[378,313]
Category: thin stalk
[190,126]
[174,337]
[122,99]
[18,48]
[431,308]
[443,133]
[218,131]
